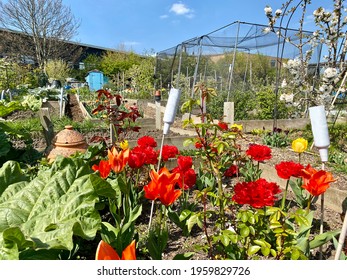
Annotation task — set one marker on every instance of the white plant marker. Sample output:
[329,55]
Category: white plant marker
[169,118]
[322,142]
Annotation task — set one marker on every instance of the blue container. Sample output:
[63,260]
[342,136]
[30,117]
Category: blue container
[96,80]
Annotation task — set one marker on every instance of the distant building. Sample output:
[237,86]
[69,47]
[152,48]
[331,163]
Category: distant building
[79,51]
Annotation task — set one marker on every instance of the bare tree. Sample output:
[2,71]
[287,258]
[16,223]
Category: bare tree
[47,26]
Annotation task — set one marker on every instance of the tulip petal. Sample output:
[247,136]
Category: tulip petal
[105,251]
[129,253]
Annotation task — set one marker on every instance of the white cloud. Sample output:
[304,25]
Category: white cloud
[181,9]
[164,16]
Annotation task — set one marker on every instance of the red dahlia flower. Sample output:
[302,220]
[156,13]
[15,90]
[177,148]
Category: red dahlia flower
[258,194]
[259,152]
[287,169]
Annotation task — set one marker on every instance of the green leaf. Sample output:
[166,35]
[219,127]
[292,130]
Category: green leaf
[54,206]
[5,146]
[191,222]
[108,232]
[323,238]
[134,214]
[194,219]
[10,173]
[273,253]
[225,240]
[265,251]
[260,243]
[185,214]
[125,189]
[187,142]
[220,147]
[244,217]
[253,250]
[7,108]
[184,256]
[156,243]
[244,232]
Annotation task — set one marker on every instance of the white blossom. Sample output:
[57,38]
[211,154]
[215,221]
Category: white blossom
[319,12]
[288,98]
[284,83]
[268,10]
[278,12]
[266,30]
[325,89]
[330,73]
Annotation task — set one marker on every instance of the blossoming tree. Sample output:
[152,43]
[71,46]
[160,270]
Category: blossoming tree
[305,88]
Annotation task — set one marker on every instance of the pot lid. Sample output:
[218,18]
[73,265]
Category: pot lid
[69,137]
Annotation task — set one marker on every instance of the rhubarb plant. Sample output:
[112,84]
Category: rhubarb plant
[40,218]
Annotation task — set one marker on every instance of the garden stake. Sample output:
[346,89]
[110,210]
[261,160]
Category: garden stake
[322,142]
[321,219]
[341,238]
[169,118]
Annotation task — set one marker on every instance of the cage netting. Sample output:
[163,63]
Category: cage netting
[239,60]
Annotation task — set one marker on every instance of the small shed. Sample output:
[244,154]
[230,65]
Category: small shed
[96,80]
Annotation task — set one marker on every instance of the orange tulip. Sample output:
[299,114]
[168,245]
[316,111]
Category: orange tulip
[162,186]
[169,194]
[106,252]
[104,168]
[118,160]
[316,182]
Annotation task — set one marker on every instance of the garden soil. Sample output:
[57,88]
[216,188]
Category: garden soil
[178,243]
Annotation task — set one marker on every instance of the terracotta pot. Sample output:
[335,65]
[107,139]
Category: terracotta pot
[67,142]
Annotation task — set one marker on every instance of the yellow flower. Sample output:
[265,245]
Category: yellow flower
[124,145]
[238,126]
[299,145]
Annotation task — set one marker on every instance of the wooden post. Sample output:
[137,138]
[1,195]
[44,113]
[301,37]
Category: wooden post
[47,125]
[229,112]
[158,115]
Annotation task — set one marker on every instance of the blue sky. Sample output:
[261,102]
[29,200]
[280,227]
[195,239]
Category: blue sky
[147,26]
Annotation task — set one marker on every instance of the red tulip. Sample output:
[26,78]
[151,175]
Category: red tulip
[259,152]
[257,194]
[104,168]
[169,151]
[184,162]
[287,169]
[137,158]
[106,252]
[162,186]
[316,182]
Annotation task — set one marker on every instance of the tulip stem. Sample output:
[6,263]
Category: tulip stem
[321,219]
[284,195]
